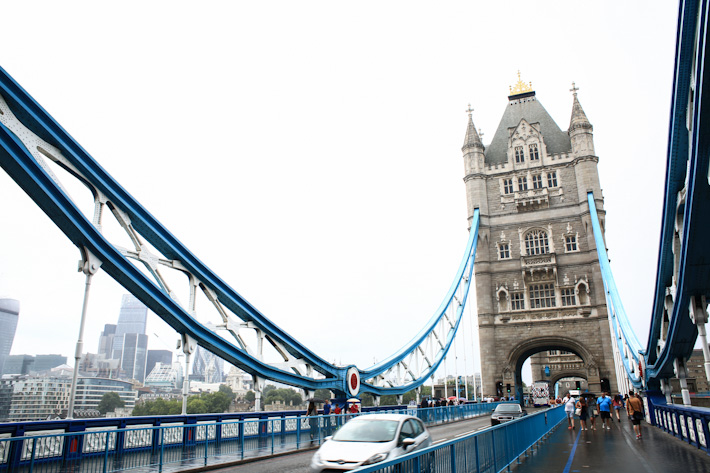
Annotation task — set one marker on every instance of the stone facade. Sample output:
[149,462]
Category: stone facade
[538,283]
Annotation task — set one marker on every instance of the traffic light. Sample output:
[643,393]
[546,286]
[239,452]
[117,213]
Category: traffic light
[507,388]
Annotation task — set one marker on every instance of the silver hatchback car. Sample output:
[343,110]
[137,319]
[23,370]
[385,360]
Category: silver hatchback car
[369,439]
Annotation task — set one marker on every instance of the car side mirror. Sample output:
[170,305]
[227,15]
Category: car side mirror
[408,442]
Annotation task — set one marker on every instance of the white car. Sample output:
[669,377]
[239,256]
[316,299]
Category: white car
[370,439]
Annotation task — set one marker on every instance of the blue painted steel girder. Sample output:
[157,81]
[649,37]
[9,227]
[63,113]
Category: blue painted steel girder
[19,163]
[687,169]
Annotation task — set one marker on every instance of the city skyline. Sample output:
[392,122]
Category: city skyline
[322,179]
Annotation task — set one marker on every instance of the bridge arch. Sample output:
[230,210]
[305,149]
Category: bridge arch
[512,371]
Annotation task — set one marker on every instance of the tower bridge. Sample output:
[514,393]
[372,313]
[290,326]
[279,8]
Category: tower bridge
[536,252]
[538,284]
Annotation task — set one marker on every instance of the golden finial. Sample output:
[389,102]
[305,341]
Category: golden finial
[521,87]
[574,89]
[469,111]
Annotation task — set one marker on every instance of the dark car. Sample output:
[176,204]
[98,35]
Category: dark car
[506,412]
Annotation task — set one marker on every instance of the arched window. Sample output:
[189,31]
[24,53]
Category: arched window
[536,243]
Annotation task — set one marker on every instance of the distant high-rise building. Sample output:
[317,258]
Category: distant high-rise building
[164,377]
[26,364]
[106,340]
[47,362]
[130,343]
[158,356]
[134,354]
[9,314]
[208,366]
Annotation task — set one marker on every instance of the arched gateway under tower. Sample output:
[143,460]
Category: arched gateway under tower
[538,283]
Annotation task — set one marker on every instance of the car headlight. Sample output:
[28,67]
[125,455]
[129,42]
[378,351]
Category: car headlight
[376,458]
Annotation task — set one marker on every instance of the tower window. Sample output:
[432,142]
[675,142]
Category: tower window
[534,154]
[552,179]
[542,295]
[504,251]
[508,186]
[519,156]
[522,184]
[568,297]
[537,181]
[536,243]
[571,243]
[517,301]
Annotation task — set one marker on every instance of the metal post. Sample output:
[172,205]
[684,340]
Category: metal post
[666,389]
[188,347]
[89,265]
[446,391]
[699,315]
[162,447]
[206,443]
[682,373]
[106,452]
[456,371]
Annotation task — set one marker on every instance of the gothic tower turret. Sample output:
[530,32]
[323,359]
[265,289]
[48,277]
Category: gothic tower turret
[474,163]
[582,142]
[580,130]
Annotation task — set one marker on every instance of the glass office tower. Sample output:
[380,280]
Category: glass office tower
[9,314]
[130,343]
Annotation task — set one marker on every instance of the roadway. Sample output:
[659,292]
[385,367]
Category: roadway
[299,462]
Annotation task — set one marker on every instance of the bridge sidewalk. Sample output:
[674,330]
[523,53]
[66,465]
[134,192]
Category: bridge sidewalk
[571,451]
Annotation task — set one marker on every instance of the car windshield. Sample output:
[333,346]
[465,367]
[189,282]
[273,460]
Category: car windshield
[362,430]
[508,408]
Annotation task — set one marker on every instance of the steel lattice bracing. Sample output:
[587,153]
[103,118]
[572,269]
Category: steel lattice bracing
[683,277]
[31,143]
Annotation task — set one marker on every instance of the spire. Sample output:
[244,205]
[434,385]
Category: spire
[472,140]
[579,119]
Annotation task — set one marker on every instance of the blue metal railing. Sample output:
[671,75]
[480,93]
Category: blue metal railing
[194,441]
[491,450]
[690,424]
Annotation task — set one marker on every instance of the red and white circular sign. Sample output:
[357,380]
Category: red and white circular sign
[352,378]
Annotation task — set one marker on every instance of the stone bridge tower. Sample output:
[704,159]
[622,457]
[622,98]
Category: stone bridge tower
[538,283]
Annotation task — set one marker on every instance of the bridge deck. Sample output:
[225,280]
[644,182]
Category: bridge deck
[570,451]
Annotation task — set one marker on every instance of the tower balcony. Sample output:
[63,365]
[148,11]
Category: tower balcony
[532,199]
[536,262]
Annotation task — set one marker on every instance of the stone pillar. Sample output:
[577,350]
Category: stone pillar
[594,381]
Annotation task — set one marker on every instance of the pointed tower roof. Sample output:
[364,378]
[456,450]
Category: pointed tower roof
[522,103]
[472,140]
[579,118]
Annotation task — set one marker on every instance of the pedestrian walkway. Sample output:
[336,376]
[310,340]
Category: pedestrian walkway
[572,451]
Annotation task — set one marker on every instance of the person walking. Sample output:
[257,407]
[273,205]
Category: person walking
[634,407]
[569,401]
[617,404]
[592,411]
[326,416]
[604,403]
[583,410]
[311,413]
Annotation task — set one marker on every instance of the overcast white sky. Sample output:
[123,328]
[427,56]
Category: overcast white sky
[310,152]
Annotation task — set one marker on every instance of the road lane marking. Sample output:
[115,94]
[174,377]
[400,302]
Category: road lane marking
[465,433]
[571,455]
[439,441]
